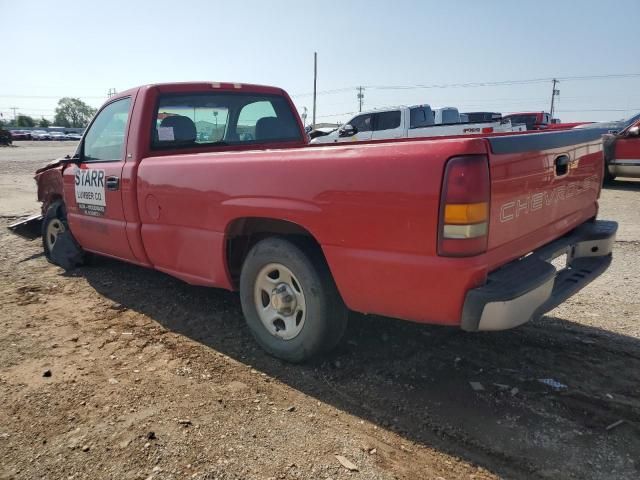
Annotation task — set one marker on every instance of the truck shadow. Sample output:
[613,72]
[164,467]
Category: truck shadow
[623,184]
[415,379]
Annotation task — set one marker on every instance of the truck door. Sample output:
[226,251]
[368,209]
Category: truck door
[364,128]
[93,185]
[388,125]
[626,158]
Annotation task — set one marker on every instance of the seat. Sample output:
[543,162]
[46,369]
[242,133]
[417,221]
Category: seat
[269,128]
[184,130]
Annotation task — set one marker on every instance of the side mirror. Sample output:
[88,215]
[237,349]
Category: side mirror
[347,131]
[634,131]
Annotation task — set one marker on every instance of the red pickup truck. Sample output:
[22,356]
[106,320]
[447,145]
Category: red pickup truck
[622,150]
[216,184]
[540,121]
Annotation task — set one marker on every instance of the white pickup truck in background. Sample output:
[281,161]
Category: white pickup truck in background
[417,121]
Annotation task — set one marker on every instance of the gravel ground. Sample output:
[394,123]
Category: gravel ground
[113,371]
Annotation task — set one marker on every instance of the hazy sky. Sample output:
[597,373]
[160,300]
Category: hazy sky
[83,48]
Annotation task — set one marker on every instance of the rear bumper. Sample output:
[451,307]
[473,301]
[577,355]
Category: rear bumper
[624,168]
[526,288]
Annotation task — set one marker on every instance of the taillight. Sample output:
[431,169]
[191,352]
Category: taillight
[487,130]
[464,207]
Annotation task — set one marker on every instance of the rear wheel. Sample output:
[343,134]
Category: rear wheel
[290,301]
[608,177]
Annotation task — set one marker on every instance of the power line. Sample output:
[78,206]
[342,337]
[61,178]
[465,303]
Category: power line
[478,84]
[631,109]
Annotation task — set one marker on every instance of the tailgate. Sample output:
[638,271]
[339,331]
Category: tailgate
[542,186]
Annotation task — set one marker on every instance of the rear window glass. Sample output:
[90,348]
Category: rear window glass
[388,120]
[222,119]
[420,117]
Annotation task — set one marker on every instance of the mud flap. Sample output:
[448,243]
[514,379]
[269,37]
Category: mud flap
[66,252]
[29,228]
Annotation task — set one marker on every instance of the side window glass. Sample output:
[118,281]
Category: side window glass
[388,120]
[105,139]
[420,117]
[362,123]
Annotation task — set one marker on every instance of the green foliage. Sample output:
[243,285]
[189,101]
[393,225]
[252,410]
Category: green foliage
[5,137]
[25,121]
[73,112]
[44,123]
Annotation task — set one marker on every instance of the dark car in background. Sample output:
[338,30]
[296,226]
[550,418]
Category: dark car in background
[20,135]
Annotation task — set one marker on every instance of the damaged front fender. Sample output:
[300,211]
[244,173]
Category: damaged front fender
[29,228]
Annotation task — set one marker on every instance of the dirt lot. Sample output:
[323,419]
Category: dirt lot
[153,378]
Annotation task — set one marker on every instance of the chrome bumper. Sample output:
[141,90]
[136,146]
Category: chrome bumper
[526,288]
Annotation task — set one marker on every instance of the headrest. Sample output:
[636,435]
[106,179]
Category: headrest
[184,130]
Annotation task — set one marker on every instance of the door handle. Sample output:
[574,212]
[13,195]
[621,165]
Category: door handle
[562,165]
[113,183]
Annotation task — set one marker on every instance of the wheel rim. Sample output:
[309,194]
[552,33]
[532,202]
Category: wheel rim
[54,228]
[280,302]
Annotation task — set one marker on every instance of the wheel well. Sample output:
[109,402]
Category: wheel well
[50,200]
[244,233]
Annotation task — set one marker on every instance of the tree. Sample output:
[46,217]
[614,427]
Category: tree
[73,112]
[25,121]
[44,123]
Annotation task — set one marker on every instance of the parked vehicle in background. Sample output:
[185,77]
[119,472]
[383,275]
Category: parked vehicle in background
[446,116]
[540,121]
[458,231]
[73,136]
[57,136]
[622,150]
[532,120]
[20,135]
[417,121]
[39,135]
[483,116]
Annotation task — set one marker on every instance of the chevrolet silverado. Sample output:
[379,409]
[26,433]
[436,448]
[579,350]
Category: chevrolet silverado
[216,184]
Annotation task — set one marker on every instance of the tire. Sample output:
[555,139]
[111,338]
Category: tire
[608,177]
[53,223]
[54,227]
[290,301]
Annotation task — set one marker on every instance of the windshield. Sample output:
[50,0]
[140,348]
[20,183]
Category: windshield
[630,121]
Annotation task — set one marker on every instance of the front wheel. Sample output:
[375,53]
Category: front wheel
[58,243]
[290,301]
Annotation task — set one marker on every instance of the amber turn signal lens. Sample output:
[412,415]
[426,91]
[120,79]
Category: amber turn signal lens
[465,213]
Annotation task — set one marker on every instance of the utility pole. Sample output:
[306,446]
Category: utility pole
[360,98]
[14,112]
[315,83]
[111,92]
[553,96]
